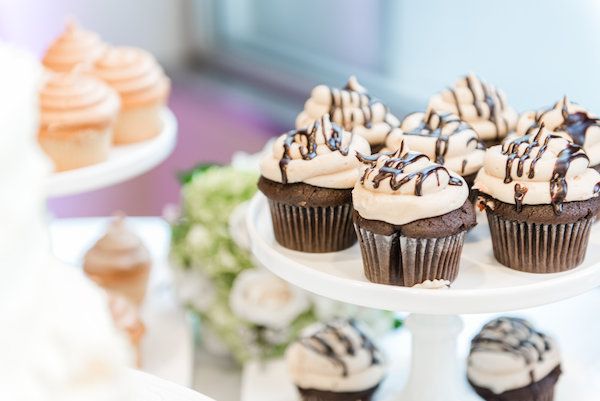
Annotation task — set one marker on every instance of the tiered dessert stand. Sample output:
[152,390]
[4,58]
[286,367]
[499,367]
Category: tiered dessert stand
[124,163]
[165,322]
[483,286]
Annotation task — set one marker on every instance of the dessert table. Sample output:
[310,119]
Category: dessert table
[169,353]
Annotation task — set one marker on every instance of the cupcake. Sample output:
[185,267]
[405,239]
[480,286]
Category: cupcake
[143,88]
[353,109]
[127,320]
[411,216]
[308,178]
[569,120]
[335,362]
[119,262]
[445,139]
[540,198]
[479,104]
[73,47]
[77,118]
[510,361]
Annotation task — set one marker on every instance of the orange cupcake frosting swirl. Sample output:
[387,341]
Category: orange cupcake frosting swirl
[73,102]
[72,47]
[134,74]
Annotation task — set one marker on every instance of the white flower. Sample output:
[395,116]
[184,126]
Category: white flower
[171,213]
[237,226]
[261,298]
[250,162]
[194,288]
[198,236]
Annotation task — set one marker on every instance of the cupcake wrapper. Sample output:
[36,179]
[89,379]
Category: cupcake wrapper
[542,390]
[320,395]
[539,248]
[313,229]
[399,260]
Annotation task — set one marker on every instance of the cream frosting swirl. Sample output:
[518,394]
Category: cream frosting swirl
[134,74]
[74,46]
[508,353]
[73,101]
[337,357]
[120,248]
[405,186]
[444,138]
[352,108]
[568,120]
[323,155]
[480,104]
[538,168]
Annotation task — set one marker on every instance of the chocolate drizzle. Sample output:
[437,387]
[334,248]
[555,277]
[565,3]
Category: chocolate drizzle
[514,336]
[306,139]
[394,168]
[322,343]
[520,192]
[574,124]
[442,126]
[491,98]
[538,141]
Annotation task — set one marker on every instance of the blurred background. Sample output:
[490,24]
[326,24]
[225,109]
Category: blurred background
[241,69]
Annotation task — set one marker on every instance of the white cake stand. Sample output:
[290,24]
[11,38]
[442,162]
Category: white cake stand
[483,285]
[124,162]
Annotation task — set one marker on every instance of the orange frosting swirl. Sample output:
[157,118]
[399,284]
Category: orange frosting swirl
[134,74]
[72,47]
[72,102]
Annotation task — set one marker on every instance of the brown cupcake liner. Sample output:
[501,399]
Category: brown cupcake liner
[542,390]
[399,260]
[322,395]
[313,229]
[539,248]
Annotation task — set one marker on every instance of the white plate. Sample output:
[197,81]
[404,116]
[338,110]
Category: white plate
[483,284]
[124,163]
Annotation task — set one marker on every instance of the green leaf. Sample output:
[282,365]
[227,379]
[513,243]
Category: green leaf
[186,176]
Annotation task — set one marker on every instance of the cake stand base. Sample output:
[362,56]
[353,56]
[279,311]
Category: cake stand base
[435,372]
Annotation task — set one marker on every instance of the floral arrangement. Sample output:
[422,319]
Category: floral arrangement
[243,309]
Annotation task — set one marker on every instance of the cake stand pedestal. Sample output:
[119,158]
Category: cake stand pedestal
[124,163]
[482,286]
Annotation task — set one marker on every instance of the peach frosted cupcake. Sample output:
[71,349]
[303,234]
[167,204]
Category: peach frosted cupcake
[74,46]
[77,117]
[143,88]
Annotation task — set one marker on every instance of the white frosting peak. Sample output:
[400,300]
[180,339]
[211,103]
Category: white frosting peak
[508,353]
[335,357]
[444,138]
[322,154]
[569,120]
[406,186]
[539,168]
[352,108]
[478,103]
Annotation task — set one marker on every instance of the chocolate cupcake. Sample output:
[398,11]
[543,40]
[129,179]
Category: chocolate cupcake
[510,361]
[308,178]
[540,198]
[481,105]
[569,120]
[336,362]
[353,109]
[411,216]
[445,139]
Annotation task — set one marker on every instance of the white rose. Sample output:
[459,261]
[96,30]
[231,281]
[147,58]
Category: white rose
[198,236]
[194,288]
[261,298]
[237,226]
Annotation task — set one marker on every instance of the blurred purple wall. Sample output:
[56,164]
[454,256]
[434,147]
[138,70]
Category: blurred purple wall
[212,125]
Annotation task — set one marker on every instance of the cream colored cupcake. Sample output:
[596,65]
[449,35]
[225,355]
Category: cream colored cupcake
[143,87]
[74,46]
[119,262]
[77,118]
